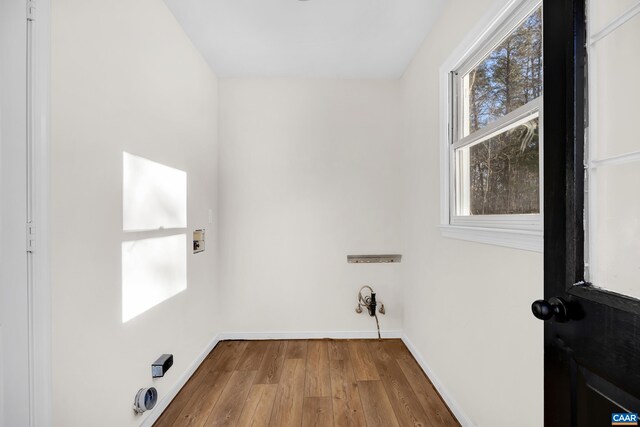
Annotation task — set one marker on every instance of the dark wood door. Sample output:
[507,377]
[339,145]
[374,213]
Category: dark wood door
[592,336]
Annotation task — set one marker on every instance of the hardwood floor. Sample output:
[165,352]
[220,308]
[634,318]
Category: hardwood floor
[342,383]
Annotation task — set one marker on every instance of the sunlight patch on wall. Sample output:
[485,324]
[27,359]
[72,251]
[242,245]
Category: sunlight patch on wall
[154,195]
[153,270]
[154,264]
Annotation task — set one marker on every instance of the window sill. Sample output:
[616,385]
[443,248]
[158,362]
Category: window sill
[517,239]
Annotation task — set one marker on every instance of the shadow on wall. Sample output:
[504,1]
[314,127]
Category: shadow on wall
[154,244]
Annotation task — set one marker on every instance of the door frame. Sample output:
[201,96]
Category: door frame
[39,291]
[564,123]
[564,130]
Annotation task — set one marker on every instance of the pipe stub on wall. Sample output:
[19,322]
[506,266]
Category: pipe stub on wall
[146,399]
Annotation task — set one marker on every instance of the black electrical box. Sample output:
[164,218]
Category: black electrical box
[162,365]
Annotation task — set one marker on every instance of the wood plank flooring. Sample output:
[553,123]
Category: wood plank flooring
[341,383]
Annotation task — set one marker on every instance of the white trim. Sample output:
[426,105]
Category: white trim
[514,222]
[160,407]
[308,335]
[589,185]
[615,24]
[526,240]
[463,419]
[481,33]
[485,230]
[616,160]
[517,117]
[516,12]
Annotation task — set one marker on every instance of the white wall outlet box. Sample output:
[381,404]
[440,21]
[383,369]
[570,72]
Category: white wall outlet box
[198,241]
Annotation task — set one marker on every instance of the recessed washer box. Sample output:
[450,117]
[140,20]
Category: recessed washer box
[198,241]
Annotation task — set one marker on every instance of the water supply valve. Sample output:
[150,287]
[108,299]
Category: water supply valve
[367,299]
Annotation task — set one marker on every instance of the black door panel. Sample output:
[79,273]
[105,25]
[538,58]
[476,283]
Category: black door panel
[592,360]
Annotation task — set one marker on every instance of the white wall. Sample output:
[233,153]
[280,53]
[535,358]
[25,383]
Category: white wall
[466,305]
[309,174]
[124,78]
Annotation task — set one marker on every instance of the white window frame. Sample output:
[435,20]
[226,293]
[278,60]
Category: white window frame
[514,231]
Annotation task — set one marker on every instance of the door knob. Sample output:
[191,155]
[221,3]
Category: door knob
[554,308]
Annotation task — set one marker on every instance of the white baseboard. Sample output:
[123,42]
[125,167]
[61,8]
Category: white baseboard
[307,335]
[463,419]
[155,413]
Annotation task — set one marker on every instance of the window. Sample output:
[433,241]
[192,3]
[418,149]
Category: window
[493,135]
[612,152]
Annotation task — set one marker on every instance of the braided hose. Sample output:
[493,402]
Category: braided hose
[369,302]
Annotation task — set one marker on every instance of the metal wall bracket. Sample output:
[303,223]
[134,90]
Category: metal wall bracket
[373,259]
